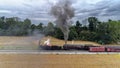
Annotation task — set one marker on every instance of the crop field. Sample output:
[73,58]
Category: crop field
[59,61]
[59,42]
[31,43]
[51,60]
[18,43]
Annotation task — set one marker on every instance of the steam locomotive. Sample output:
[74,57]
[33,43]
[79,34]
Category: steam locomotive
[89,48]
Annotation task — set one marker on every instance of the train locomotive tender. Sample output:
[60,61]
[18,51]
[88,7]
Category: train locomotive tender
[89,48]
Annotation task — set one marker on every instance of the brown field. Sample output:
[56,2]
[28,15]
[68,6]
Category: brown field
[59,42]
[59,61]
[13,42]
[31,43]
[51,61]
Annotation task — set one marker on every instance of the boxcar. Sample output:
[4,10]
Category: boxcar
[97,49]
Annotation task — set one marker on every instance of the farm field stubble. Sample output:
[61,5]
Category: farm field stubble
[59,61]
[51,60]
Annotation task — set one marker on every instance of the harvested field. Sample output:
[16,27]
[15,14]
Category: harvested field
[59,61]
[51,60]
[59,42]
[18,43]
[31,43]
[16,40]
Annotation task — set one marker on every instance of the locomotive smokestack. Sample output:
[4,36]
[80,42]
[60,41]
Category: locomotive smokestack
[63,12]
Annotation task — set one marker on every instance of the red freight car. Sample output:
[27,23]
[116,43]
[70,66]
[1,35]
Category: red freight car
[97,49]
[113,50]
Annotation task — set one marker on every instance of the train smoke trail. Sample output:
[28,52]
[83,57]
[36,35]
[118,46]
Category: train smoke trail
[63,12]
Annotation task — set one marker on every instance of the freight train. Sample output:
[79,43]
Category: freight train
[89,48]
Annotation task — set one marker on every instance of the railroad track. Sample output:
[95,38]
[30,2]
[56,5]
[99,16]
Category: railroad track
[57,52]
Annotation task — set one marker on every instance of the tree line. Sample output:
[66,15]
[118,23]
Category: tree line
[14,26]
[97,31]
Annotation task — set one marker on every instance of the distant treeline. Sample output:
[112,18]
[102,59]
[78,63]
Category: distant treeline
[14,26]
[97,31]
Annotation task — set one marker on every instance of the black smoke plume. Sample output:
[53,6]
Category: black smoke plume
[63,12]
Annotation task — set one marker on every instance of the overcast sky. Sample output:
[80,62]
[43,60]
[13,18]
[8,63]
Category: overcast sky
[38,10]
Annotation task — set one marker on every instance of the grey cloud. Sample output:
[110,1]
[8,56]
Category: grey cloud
[107,8]
[98,7]
[32,9]
[114,9]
